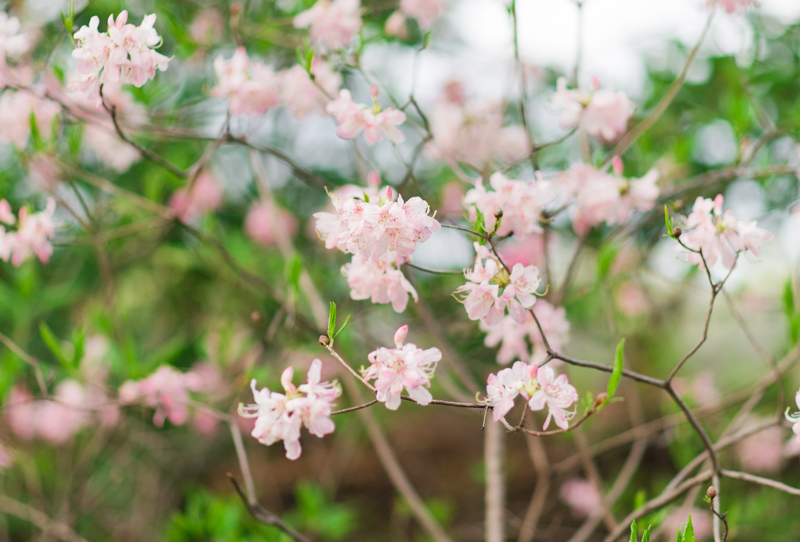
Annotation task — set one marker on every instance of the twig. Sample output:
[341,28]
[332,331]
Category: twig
[761,481]
[27,358]
[265,516]
[48,526]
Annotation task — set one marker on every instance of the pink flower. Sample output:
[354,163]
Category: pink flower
[205,196]
[405,367]
[166,390]
[424,11]
[381,282]
[731,6]
[33,236]
[603,114]
[520,202]
[718,234]
[515,339]
[279,416]
[206,27]
[353,118]
[265,222]
[124,54]
[16,110]
[57,420]
[762,453]
[557,394]
[13,44]
[396,25]
[581,496]
[301,95]
[538,385]
[252,88]
[795,418]
[333,24]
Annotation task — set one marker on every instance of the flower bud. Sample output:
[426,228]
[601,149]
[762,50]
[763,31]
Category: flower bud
[711,493]
[373,90]
[255,317]
[498,213]
[676,232]
[616,165]
[400,335]
[324,340]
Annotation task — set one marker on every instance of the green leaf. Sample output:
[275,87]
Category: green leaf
[292,270]
[346,321]
[688,534]
[616,373]
[605,259]
[332,323]
[633,532]
[78,340]
[53,345]
[646,537]
[668,220]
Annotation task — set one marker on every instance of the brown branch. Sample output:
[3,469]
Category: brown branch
[28,513]
[761,481]
[265,516]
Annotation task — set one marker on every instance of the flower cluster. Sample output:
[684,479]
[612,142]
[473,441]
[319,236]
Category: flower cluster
[123,54]
[538,385]
[405,367]
[279,416]
[32,236]
[303,96]
[603,113]
[474,132]
[381,233]
[424,11]
[17,108]
[520,202]
[266,223]
[481,294]
[716,233]
[166,390]
[375,122]
[333,24]
[13,44]
[606,197]
[515,339]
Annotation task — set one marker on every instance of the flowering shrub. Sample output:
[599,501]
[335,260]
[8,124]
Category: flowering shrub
[169,235]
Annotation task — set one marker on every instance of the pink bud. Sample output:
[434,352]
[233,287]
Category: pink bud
[595,83]
[373,180]
[374,91]
[616,165]
[400,335]
[6,216]
[718,204]
[389,193]
[286,380]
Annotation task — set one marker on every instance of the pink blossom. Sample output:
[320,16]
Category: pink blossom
[716,233]
[32,236]
[301,95]
[763,452]
[166,390]
[13,44]
[252,87]
[527,250]
[538,385]
[16,110]
[354,118]
[404,367]
[516,340]
[557,394]
[56,420]
[631,299]
[380,282]
[732,6]
[581,496]
[604,113]
[396,25]
[520,202]
[205,196]
[124,54]
[333,24]
[279,416]
[206,27]
[109,148]
[424,11]
[265,223]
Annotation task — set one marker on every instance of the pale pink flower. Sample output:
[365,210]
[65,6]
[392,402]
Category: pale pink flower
[265,223]
[716,233]
[19,412]
[631,300]
[333,24]
[581,496]
[124,54]
[424,11]
[56,420]
[279,416]
[16,110]
[732,6]
[557,394]
[404,367]
[6,214]
[527,250]
[763,452]
[205,196]
[603,113]
[206,27]
[379,281]
[521,203]
[13,44]
[32,236]
[166,390]
[109,149]
[301,95]
[354,118]
[396,25]
[252,88]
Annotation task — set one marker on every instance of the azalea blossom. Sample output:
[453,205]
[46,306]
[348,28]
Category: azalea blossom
[379,281]
[523,341]
[539,386]
[125,54]
[481,294]
[166,390]
[424,11]
[520,202]
[205,196]
[265,223]
[333,23]
[252,88]
[280,416]
[603,113]
[301,95]
[13,43]
[581,496]
[32,236]
[17,108]
[717,234]
[404,367]
[354,118]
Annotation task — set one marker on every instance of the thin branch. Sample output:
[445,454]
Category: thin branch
[761,481]
[48,526]
[265,516]
[30,360]
[541,464]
